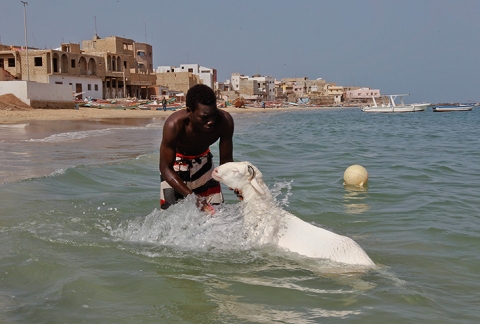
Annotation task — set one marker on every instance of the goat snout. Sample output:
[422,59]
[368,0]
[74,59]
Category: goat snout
[215,174]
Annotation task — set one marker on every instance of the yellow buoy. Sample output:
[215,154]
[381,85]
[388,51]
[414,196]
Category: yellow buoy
[355,175]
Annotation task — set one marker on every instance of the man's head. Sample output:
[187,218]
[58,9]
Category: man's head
[202,94]
[202,107]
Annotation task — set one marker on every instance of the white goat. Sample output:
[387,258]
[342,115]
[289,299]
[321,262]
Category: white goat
[269,224]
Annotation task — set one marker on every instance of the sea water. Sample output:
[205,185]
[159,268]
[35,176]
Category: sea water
[82,239]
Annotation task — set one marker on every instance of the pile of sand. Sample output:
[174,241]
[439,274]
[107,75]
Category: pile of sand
[11,102]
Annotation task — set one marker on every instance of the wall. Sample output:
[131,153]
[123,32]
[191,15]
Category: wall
[5,76]
[39,95]
[181,81]
[72,81]
[18,88]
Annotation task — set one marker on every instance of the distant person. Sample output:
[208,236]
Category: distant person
[186,163]
[164,104]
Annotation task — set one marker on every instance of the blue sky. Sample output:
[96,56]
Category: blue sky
[428,48]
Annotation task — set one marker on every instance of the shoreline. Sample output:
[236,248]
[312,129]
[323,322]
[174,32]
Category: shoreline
[28,115]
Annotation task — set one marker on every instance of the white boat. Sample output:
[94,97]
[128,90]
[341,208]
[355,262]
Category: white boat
[449,108]
[393,107]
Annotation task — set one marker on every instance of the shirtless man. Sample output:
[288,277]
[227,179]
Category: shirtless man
[186,163]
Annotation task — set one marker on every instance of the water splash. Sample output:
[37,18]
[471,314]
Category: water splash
[186,227]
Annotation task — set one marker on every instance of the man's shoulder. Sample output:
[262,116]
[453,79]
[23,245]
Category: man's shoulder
[176,117]
[176,121]
[226,115]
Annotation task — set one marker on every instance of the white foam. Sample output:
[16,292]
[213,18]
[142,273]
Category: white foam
[14,126]
[72,136]
[57,172]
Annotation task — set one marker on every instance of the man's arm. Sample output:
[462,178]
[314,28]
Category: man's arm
[167,158]
[226,139]
[226,146]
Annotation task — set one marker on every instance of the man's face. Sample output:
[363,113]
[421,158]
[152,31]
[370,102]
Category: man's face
[204,117]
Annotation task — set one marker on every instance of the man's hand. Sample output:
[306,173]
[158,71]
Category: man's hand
[238,193]
[203,205]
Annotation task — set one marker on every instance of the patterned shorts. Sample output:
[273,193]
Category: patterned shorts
[196,173]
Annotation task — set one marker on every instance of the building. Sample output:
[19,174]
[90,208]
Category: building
[113,67]
[297,85]
[191,73]
[255,88]
[128,65]
[331,90]
[266,86]
[361,93]
[5,76]
[178,81]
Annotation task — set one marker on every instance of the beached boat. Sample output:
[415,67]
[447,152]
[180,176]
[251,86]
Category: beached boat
[450,108]
[239,102]
[122,104]
[393,107]
[158,105]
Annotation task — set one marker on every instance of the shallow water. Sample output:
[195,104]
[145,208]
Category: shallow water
[82,239]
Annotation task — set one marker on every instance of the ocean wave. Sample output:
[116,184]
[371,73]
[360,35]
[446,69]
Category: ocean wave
[72,136]
[58,172]
[14,126]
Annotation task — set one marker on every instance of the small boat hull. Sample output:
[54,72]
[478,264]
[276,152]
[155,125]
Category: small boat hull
[452,108]
[396,109]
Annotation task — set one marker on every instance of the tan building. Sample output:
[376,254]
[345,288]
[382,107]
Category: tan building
[113,67]
[183,77]
[129,65]
[180,81]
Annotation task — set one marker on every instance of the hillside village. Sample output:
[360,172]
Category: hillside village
[116,67]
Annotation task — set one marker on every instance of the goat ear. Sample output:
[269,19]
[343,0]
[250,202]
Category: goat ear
[254,181]
[251,171]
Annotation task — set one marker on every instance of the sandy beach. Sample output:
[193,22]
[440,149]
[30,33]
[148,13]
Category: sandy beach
[15,116]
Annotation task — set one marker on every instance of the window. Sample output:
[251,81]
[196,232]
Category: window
[1,63]
[11,62]
[89,86]
[72,63]
[58,82]
[96,87]
[38,61]
[140,53]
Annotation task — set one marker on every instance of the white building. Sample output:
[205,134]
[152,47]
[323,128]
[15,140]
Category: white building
[88,87]
[266,85]
[208,76]
[235,80]
[362,93]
